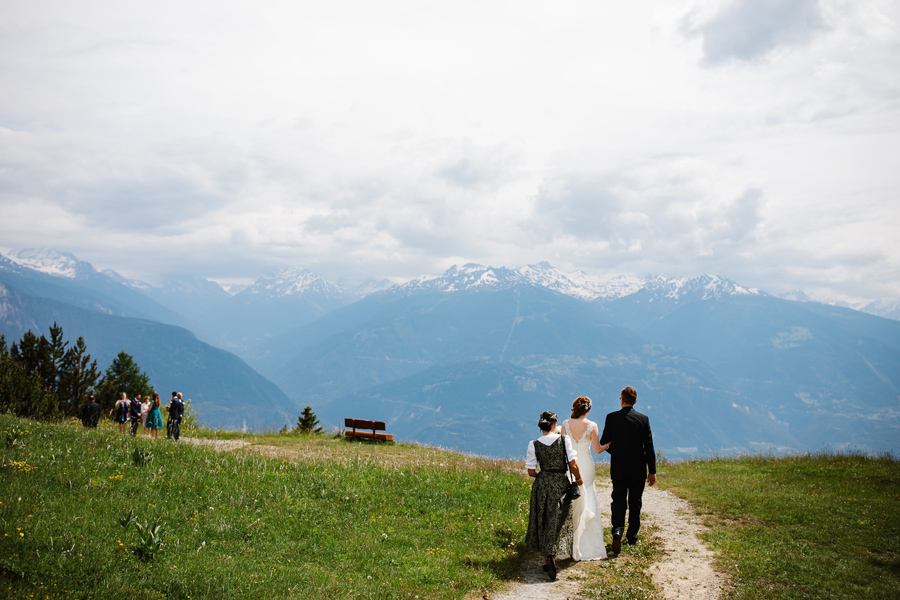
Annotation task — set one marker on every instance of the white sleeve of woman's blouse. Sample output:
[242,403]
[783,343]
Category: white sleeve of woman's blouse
[571,454]
[530,457]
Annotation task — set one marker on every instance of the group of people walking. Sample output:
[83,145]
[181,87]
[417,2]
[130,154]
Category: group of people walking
[562,526]
[146,412]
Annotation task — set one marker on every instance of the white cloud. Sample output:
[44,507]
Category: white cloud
[396,138]
[752,29]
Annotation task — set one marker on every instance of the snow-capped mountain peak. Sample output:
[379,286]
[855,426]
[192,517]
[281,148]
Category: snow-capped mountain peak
[576,284]
[52,262]
[468,277]
[705,287]
[889,309]
[291,281]
[474,277]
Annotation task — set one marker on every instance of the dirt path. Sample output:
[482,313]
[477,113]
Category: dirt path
[684,573]
[218,445]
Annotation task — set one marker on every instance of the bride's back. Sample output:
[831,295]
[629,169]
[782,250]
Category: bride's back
[577,429]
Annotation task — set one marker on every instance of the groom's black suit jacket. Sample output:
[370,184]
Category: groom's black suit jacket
[631,451]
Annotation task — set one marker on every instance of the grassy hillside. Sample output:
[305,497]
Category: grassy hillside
[811,527]
[289,516]
[339,520]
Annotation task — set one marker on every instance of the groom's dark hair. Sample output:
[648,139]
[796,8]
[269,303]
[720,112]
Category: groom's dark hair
[629,396]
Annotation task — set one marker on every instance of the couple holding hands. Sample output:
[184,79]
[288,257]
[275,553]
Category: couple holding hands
[559,527]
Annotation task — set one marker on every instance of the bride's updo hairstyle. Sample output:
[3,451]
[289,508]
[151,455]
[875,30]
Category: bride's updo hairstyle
[547,420]
[581,406]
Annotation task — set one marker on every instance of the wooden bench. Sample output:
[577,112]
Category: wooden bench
[355,424]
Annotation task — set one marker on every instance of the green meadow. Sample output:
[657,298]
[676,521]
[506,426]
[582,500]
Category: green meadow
[823,526]
[93,514]
[339,520]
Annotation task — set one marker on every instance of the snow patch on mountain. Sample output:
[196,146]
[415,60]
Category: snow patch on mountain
[607,289]
[576,284]
[706,287]
[361,289]
[132,283]
[889,309]
[52,262]
[795,296]
[292,281]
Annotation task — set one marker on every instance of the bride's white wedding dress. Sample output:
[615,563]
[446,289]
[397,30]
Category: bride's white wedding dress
[587,543]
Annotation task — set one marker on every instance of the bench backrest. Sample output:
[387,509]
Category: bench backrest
[363,424]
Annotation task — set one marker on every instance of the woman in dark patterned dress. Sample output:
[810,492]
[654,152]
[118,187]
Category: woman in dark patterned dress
[548,515]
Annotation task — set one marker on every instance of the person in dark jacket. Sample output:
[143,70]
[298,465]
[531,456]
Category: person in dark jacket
[90,414]
[134,413]
[176,411]
[632,464]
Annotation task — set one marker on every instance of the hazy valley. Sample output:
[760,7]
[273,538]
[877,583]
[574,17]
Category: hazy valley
[468,358]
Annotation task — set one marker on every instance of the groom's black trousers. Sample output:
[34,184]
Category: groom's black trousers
[627,494]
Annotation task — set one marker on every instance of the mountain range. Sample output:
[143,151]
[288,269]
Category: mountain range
[468,358]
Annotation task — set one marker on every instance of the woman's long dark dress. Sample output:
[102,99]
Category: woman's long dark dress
[549,522]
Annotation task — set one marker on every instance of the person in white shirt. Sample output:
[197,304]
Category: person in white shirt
[549,521]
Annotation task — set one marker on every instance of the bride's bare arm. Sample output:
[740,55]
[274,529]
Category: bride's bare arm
[595,442]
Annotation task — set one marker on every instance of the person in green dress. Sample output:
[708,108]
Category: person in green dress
[549,511]
[154,418]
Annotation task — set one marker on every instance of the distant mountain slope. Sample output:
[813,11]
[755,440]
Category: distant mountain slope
[226,392]
[188,296]
[889,309]
[720,367]
[280,301]
[491,409]
[832,374]
[478,359]
[62,277]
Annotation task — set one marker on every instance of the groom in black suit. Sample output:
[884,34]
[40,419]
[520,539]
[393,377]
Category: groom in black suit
[631,457]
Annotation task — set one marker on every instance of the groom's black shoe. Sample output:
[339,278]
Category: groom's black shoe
[631,541]
[617,540]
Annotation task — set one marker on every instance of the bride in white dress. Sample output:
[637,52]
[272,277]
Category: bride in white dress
[587,543]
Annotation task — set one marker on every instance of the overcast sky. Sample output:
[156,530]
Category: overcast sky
[758,140]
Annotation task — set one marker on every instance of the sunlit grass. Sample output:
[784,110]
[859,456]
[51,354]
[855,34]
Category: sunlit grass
[299,516]
[820,526]
[323,519]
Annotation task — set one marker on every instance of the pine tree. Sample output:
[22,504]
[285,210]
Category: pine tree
[34,356]
[123,375]
[307,422]
[21,391]
[78,375]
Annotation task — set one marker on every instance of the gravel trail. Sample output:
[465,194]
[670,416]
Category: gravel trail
[684,573]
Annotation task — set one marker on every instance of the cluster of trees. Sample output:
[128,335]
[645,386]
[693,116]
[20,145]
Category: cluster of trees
[50,379]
